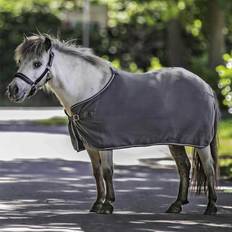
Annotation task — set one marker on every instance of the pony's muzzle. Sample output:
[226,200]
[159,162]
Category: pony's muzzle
[13,90]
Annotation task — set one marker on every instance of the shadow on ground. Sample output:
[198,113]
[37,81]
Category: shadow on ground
[55,195]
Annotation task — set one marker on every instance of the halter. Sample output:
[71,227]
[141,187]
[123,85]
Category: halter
[44,74]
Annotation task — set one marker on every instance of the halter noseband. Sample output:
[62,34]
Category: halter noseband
[44,74]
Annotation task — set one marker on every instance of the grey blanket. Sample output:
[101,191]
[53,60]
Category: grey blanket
[169,106]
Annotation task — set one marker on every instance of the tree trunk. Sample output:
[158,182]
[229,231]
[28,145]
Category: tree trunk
[216,24]
[176,49]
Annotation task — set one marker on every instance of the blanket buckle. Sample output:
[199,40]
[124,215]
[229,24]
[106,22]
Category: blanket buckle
[76,117]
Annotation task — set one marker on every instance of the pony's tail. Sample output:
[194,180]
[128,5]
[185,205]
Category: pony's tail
[198,176]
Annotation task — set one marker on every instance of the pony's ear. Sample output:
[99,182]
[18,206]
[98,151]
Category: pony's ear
[25,37]
[47,43]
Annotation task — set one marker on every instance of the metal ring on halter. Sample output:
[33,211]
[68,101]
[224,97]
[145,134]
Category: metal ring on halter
[44,74]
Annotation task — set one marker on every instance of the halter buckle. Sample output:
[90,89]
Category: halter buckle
[32,91]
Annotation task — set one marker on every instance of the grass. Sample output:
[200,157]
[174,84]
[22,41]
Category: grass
[225,148]
[54,121]
[225,142]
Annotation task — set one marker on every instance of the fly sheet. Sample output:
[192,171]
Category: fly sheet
[169,106]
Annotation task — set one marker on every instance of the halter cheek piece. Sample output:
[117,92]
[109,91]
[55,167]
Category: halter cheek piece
[44,74]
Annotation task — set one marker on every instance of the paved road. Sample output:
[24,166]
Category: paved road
[46,186]
[29,113]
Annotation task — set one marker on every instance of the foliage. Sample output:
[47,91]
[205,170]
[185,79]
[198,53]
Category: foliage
[225,83]
[17,19]
[135,38]
[13,29]
[225,145]
[155,64]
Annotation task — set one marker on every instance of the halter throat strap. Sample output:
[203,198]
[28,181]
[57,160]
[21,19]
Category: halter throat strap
[33,84]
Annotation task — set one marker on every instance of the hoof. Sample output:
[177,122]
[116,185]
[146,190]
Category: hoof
[185,202]
[211,210]
[174,208]
[107,208]
[96,207]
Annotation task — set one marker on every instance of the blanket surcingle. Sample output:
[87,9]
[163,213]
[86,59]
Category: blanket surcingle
[169,106]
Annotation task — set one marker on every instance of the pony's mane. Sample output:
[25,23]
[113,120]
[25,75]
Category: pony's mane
[34,46]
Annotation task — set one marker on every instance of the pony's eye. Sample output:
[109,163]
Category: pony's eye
[37,64]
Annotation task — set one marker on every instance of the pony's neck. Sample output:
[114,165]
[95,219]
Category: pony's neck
[75,79]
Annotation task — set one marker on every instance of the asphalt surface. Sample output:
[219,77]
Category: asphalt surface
[46,186]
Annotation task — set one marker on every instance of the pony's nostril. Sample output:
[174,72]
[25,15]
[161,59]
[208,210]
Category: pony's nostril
[10,89]
[15,90]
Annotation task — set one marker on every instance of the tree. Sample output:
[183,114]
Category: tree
[177,54]
[140,35]
[216,26]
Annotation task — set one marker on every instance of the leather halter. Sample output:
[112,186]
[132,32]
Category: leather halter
[44,74]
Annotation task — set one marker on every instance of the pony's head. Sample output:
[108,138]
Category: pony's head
[34,57]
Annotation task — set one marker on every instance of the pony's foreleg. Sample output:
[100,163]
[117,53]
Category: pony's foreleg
[208,166]
[98,174]
[183,165]
[107,168]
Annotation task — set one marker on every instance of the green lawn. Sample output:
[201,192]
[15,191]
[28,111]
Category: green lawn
[55,121]
[225,147]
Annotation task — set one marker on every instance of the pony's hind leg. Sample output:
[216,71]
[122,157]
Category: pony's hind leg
[183,166]
[98,174]
[208,166]
[107,168]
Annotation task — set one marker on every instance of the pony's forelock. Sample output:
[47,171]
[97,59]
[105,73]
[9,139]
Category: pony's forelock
[32,46]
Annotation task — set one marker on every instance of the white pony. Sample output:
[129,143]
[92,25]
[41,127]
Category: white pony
[74,75]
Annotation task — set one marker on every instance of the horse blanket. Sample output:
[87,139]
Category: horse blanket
[169,106]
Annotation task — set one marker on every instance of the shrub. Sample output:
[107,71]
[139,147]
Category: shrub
[225,82]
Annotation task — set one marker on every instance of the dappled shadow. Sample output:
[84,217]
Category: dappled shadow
[55,195]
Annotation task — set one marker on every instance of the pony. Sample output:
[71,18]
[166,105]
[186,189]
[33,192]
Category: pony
[74,74]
